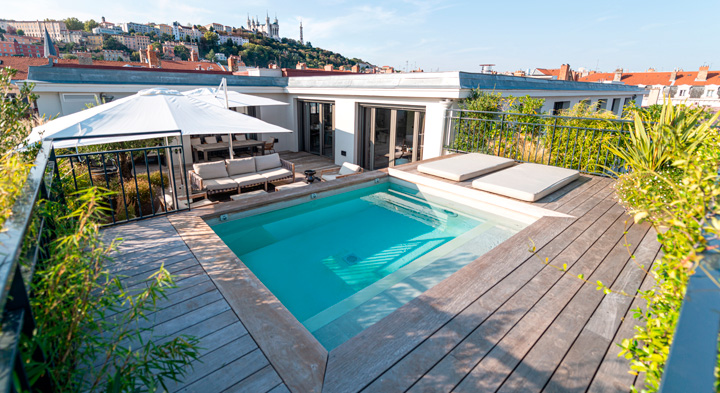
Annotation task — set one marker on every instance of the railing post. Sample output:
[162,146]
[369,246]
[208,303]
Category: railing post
[552,141]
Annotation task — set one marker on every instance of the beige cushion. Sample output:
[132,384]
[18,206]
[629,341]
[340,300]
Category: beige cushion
[210,139]
[239,137]
[195,141]
[219,184]
[465,167]
[328,176]
[225,138]
[240,166]
[527,182]
[275,174]
[348,168]
[270,161]
[247,179]
[211,170]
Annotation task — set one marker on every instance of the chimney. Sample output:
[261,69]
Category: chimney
[702,74]
[234,63]
[650,69]
[618,75]
[84,58]
[301,66]
[355,69]
[564,72]
[193,55]
[328,67]
[673,76]
[153,59]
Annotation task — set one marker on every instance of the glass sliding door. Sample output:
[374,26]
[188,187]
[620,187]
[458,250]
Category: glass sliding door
[317,127]
[391,136]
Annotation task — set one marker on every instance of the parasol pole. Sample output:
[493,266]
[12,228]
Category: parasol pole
[223,85]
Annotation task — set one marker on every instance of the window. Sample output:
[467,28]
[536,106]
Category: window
[601,104]
[615,105]
[709,92]
[559,106]
[681,93]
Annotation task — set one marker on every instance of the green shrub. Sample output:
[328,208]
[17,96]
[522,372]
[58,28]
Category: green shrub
[674,187]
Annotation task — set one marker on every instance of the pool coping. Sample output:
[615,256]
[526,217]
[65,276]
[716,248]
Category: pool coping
[301,361]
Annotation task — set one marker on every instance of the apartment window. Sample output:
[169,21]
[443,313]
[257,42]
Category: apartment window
[601,104]
[681,93]
[709,93]
[615,105]
[559,106]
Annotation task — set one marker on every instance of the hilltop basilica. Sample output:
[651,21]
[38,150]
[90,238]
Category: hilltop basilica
[271,30]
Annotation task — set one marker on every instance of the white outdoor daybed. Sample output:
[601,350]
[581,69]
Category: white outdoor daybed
[465,167]
[527,182]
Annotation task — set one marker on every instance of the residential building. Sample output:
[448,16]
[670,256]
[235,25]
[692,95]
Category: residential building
[130,27]
[168,47]
[271,30]
[337,105]
[14,48]
[164,29]
[115,55]
[238,41]
[23,39]
[74,36]
[215,27]
[134,42]
[220,57]
[105,24]
[115,30]
[94,41]
[180,32]
[56,29]
[701,88]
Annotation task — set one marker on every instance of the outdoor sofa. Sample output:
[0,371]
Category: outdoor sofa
[347,169]
[230,175]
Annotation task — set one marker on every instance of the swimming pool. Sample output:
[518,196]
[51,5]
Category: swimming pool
[343,262]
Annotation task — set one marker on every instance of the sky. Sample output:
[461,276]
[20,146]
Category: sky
[448,35]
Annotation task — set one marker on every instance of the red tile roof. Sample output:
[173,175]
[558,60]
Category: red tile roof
[21,64]
[655,78]
[551,72]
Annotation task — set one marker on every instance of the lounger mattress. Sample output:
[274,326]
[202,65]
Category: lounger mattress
[527,182]
[466,166]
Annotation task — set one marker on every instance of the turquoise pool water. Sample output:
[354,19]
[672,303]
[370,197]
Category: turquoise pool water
[341,263]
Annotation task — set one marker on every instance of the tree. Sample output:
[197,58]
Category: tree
[90,24]
[210,55]
[20,32]
[73,23]
[211,38]
[111,43]
[181,52]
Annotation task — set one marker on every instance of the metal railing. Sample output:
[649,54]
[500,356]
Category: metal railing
[23,245]
[148,182]
[569,142]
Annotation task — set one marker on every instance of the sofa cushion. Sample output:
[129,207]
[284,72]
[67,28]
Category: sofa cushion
[240,165]
[527,182]
[270,161]
[239,137]
[210,139]
[348,169]
[211,170]
[219,184]
[247,179]
[225,138]
[466,166]
[329,176]
[195,141]
[275,174]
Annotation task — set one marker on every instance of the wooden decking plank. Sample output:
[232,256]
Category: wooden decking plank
[215,361]
[178,276]
[229,374]
[182,308]
[613,374]
[576,370]
[412,367]
[457,363]
[352,365]
[280,389]
[262,381]
[569,191]
[145,245]
[540,362]
[600,188]
[150,252]
[174,268]
[494,366]
[131,267]
[208,326]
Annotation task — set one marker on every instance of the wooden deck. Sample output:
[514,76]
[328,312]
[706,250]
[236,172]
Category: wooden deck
[506,322]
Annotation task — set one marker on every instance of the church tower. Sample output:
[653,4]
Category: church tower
[301,36]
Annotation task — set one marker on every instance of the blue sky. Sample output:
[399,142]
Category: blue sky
[453,35]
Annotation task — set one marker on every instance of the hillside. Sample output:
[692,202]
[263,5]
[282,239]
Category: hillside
[261,51]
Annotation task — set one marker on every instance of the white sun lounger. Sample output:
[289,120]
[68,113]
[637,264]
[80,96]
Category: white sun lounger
[527,182]
[465,167]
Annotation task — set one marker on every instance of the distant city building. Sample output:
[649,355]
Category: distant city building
[105,24]
[180,32]
[139,28]
[271,30]
[74,36]
[94,41]
[220,57]
[23,39]
[168,48]
[56,29]
[701,88]
[14,48]
[238,41]
[134,42]
[164,29]
[115,30]
[219,27]
[115,55]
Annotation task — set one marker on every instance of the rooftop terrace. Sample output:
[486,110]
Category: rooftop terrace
[505,322]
